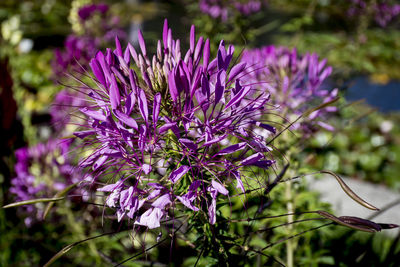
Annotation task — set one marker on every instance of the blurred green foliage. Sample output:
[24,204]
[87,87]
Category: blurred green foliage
[38,18]
[352,44]
[361,249]
[239,30]
[33,90]
[28,28]
[377,55]
[366,145]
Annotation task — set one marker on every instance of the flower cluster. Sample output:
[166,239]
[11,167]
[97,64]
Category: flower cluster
[77,52]
[383,11]
[248,7]
[222,9]
[99,29]
[87,11]
[177,133]
[294,81]
[42,171]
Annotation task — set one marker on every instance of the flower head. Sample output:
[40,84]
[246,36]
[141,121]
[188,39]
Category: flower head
[98,29]
[382,11]
[177,132]
[222,9]
[87,11]
[294,81]
[42,171]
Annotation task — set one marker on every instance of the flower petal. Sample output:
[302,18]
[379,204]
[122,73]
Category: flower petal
[115,97]
[212,211]
[142,43]
[151,218]
[236,70]
[188,144]
[97,71]
[219,187]
[220,86]
[162,201]
[156,108]
[143,105]
[126,119]
[232,149]
[178,173]
[252,159]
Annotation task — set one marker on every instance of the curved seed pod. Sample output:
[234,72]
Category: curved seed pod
[388,225]
[60,253]
[359,224]
[350,192]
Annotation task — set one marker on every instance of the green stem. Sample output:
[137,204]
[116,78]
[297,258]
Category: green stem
[290,219]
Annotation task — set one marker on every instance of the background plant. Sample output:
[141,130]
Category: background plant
[306,248]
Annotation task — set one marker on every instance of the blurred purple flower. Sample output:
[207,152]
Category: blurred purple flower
[214,8]
[42,171]
[87,11]
[248,7]
[223,9]
[386,13]
[79,49]
[382,11]
[294,81]
[77,52]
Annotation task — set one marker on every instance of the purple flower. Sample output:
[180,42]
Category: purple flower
[192,194]
[248,7]
[41,172]
[185,111]
[80,48]
[294,81]
[220,9]
[178,173]
[385,13]
[214,8]
[151,218]
[87,11]
[382,11]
